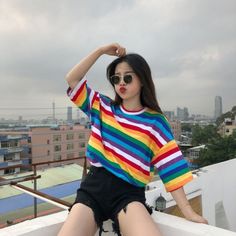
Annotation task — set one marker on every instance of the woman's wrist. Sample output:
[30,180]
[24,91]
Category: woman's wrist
[99,51]
[187,210]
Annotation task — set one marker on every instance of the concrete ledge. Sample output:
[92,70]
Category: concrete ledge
[168,224]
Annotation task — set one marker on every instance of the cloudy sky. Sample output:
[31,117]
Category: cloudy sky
[189,44]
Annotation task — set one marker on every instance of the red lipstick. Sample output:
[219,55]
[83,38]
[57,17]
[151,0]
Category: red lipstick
[122,89]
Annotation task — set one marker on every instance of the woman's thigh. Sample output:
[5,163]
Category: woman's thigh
[80,222]
[136,221]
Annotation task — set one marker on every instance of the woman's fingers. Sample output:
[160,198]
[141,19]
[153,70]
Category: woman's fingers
[121,51]
[114,49]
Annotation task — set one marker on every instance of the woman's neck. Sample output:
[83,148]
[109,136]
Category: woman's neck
[132,105]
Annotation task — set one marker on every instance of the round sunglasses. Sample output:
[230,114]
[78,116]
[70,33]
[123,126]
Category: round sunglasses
[115,79]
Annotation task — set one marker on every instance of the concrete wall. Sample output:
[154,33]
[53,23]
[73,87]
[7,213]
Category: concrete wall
[219,193]
[216,184]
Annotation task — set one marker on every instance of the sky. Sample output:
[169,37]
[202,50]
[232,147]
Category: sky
[190,46]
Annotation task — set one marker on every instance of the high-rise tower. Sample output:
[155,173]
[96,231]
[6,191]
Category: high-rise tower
[53,112]
[218,106]
[69,114]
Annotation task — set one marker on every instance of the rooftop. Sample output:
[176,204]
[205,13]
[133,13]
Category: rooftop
[218,206]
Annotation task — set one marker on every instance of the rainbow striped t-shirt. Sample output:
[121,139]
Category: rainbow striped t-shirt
[130,144]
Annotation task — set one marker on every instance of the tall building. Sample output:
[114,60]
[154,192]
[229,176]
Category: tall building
[170,115]
[218,106]
[182,114]
[69,114]
[53,111]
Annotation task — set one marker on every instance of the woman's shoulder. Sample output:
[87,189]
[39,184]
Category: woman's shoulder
[158,117]
[155,114]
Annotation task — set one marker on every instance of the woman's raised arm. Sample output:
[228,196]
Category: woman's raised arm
[80,69]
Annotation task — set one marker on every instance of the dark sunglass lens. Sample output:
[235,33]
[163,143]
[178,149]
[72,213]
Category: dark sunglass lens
[115,79]
[128,79]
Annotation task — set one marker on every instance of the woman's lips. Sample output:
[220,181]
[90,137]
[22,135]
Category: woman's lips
[122,89]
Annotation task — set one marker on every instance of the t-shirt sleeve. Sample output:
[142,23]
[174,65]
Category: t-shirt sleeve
[83,97]
[172,167]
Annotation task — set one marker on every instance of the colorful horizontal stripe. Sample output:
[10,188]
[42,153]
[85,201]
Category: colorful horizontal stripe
[130,144]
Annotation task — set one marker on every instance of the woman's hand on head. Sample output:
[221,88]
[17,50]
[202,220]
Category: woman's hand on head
[114,49]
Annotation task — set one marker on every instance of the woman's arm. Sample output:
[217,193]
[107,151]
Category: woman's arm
[183,203]
[79,70]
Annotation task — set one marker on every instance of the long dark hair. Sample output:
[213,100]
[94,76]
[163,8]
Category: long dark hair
[142,70]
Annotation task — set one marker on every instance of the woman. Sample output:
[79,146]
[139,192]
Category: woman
[130,136]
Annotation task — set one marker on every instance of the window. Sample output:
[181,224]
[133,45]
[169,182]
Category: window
[70,155]
[81,135]
[81,154]
[4,144]
[56,138]
[48,141]
[70,146]
[57,157]
[70,136]
[57,148]
[48,153]
[82,145]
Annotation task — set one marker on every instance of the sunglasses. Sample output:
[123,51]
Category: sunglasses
[115,79]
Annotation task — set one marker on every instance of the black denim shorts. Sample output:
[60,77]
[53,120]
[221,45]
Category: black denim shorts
[107,195]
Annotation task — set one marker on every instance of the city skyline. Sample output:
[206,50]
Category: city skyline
[189,47]
[72,113]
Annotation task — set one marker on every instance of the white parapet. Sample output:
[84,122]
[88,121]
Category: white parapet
[169,226]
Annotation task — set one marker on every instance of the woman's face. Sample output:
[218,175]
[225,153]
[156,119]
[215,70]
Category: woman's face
[127,88]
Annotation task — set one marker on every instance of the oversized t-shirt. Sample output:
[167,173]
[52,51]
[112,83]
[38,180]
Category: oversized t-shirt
[130,144]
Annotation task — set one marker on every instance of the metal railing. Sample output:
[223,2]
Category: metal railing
[14,182]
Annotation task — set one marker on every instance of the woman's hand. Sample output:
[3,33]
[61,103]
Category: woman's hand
[182,202]
[113,49]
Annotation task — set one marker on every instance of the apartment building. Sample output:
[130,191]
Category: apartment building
[60,143]
[176,129]
[10,152]
[227,127]
[44,144]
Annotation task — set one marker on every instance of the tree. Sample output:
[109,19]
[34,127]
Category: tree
[230,114]
[186,127]
[203,135]
[217,150]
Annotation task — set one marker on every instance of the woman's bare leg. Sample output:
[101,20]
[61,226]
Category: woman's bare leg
[136,221]
[80,222]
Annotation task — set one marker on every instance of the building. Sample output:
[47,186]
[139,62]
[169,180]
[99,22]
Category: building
[218,106]
[176,129]
[69,115]
[170,115]
[44,144]
[64,142]
[182,114]
[192,154]
[10,153]
[227,127]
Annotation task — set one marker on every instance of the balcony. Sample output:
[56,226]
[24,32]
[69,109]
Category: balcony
[13,150]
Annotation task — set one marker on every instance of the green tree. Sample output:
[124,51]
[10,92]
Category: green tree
[203,135]
[186,127]
[230,114]
[217,150]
